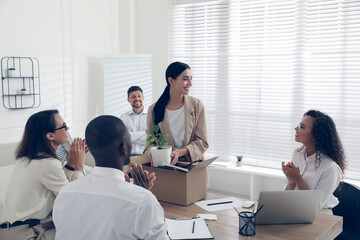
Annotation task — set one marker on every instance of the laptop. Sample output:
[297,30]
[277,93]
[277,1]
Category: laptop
[285,207]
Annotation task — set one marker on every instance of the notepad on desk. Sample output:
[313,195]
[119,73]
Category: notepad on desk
[188,229]
[219,204]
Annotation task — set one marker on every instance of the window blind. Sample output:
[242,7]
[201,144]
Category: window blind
[259,65]
[122,72]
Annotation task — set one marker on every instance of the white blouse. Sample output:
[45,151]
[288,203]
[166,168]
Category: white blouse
[326,177]
[177,126]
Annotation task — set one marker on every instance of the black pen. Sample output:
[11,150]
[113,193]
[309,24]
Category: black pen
[193,226]
[210,204]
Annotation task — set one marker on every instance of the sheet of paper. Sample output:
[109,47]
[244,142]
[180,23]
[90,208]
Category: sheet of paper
[183,229]
[234,202]
[211,217]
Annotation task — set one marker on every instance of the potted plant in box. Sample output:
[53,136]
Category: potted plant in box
[161,152]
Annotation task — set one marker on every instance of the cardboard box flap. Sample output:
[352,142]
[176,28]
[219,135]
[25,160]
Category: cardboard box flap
[203,164]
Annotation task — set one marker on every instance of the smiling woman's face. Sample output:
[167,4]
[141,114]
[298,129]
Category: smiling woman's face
[304,130]
[182,83]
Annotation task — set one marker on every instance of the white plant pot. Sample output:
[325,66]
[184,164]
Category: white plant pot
[11,73]
[22,92]
[160,156]
[239,163]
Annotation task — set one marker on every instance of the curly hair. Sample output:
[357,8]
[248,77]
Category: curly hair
[326,138]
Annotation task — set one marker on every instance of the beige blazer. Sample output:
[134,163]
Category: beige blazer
[195,139]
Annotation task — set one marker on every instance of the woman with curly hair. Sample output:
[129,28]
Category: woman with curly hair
[319,164]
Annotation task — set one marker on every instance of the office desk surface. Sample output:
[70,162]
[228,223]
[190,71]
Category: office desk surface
[324,227]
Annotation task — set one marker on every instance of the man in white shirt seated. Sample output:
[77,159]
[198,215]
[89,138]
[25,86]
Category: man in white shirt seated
[135,120]
[103,205]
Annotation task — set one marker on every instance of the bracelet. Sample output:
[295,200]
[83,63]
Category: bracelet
[70,168]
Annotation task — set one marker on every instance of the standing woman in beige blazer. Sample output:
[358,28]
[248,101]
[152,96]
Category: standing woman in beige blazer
[38,177]
[179,115]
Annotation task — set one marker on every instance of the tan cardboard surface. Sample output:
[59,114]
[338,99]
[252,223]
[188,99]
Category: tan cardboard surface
[179,187]
[203,164]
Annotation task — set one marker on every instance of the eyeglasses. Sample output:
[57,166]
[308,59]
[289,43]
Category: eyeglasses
[64,126]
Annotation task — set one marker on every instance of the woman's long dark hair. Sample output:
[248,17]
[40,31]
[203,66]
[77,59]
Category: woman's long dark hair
[173,71]
[34,144]
[326,138]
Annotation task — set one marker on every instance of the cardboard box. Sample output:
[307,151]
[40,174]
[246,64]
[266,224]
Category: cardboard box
[179,187]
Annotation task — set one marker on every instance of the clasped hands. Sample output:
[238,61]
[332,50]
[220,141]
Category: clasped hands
[76,154]
[291,171]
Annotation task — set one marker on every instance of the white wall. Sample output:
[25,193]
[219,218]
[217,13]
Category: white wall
[69,38]
[246,181]
[152,37]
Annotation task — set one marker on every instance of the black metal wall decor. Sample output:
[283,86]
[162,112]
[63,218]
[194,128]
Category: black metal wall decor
[20,80]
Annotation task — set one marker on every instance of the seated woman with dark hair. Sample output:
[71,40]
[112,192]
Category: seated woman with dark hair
[38,177]
[319,164]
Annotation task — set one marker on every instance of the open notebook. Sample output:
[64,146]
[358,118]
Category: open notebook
[186,229]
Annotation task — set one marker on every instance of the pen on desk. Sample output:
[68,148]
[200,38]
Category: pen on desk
[210,204]
[193,226]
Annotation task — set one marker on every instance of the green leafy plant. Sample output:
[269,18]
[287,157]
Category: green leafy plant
[239,158]
[157,138]
[23,89]
[11,69]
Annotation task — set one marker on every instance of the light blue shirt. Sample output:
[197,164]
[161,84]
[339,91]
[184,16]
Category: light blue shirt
[136,125]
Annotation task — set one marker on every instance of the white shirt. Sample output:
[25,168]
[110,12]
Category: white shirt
[136,124]
[325,178]
[177,126]
[33,187]
[107,207]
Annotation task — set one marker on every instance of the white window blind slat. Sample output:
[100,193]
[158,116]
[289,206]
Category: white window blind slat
[259,65]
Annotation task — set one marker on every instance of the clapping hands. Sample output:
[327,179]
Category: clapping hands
[76,154]
[291,171]
[141,177]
